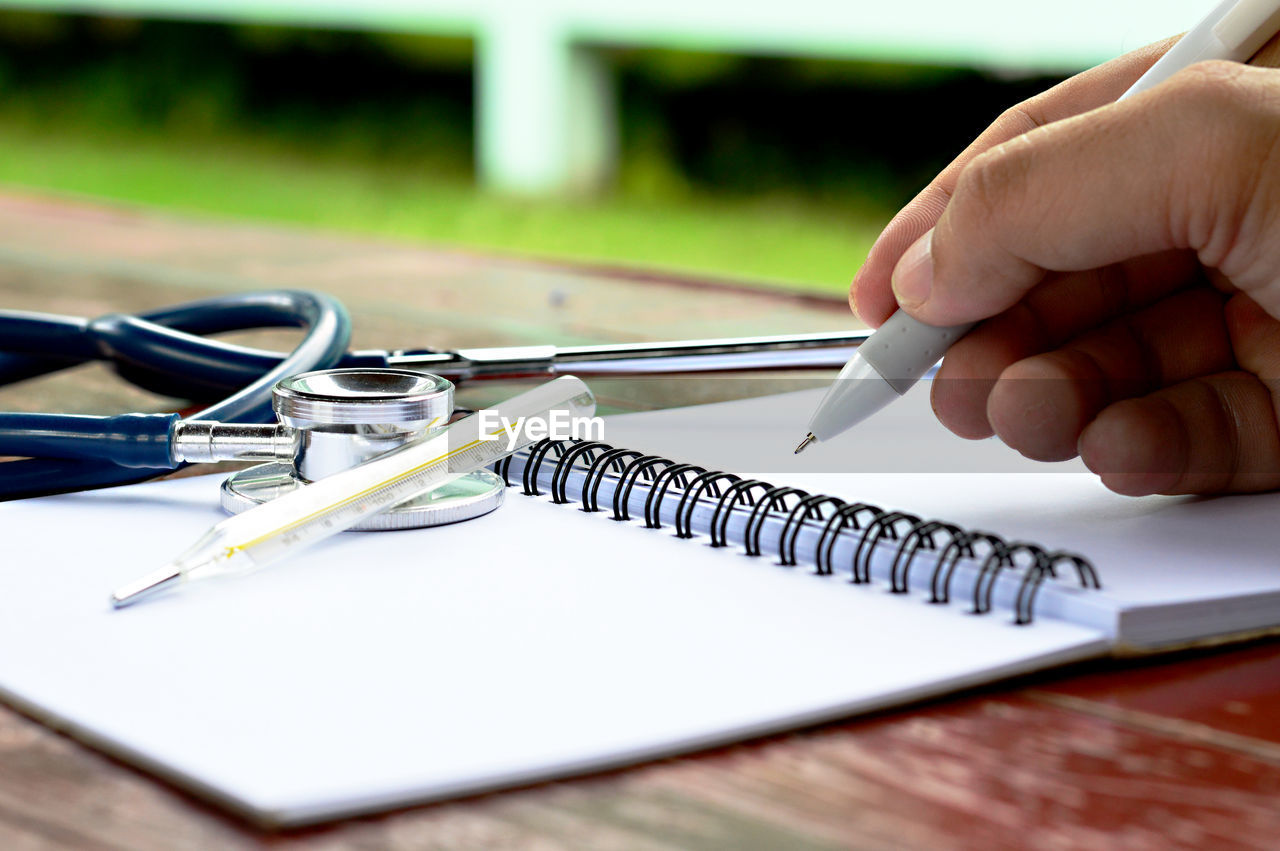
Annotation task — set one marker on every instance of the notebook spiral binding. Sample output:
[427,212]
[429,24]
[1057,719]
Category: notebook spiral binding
[870,524]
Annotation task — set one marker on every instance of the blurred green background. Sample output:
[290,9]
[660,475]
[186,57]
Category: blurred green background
[772,170]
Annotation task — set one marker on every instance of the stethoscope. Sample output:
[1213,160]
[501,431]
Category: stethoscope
[316,410]
[331,420]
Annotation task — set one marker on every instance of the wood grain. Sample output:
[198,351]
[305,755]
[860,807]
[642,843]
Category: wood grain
[1196,695]
[980,772]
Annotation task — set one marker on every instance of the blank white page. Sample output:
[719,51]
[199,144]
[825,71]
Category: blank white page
[389,668]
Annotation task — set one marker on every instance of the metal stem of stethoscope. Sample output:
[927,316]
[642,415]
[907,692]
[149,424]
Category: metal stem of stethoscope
[793,351]
[731,354]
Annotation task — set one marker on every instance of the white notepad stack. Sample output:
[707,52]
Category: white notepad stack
[543,640]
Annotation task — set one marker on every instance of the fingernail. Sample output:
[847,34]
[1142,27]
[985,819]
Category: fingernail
[913,276]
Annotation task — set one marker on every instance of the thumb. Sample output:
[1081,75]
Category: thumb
[1178,166]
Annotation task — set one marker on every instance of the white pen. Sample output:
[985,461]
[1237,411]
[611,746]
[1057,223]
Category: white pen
[903,349]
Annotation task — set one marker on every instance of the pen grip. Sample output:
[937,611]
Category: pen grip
[904,348]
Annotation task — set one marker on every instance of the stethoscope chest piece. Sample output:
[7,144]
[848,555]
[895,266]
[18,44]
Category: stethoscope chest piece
[343,417]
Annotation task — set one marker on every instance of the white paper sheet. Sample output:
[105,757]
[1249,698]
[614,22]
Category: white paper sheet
[385,669]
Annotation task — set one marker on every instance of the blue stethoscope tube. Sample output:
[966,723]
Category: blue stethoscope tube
[162,351]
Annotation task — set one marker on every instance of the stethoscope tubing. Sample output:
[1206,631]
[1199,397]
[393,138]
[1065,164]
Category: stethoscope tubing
[161,351]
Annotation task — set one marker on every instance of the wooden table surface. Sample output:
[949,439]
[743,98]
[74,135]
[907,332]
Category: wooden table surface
[1174,751]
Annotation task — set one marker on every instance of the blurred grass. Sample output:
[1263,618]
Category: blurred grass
[774,171]
[772,239]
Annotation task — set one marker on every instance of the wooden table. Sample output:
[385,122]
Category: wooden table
[1173,751]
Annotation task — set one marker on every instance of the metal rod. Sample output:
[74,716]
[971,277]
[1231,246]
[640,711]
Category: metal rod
[794,351]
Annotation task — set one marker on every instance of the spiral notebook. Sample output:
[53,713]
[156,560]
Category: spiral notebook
[545,640]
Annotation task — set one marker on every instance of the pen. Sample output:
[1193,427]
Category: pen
[897,355]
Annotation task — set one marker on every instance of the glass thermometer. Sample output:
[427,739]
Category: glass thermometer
[315,511]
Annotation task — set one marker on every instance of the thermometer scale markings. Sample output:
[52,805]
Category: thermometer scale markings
[418,476]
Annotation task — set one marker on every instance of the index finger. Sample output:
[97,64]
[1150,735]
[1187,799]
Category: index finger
[870,294]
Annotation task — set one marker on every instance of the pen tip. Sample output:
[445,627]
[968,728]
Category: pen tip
[808,438]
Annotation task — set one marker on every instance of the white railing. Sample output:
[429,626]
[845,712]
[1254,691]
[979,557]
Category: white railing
[545,102]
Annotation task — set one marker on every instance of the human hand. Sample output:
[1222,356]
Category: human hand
[1126,260]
